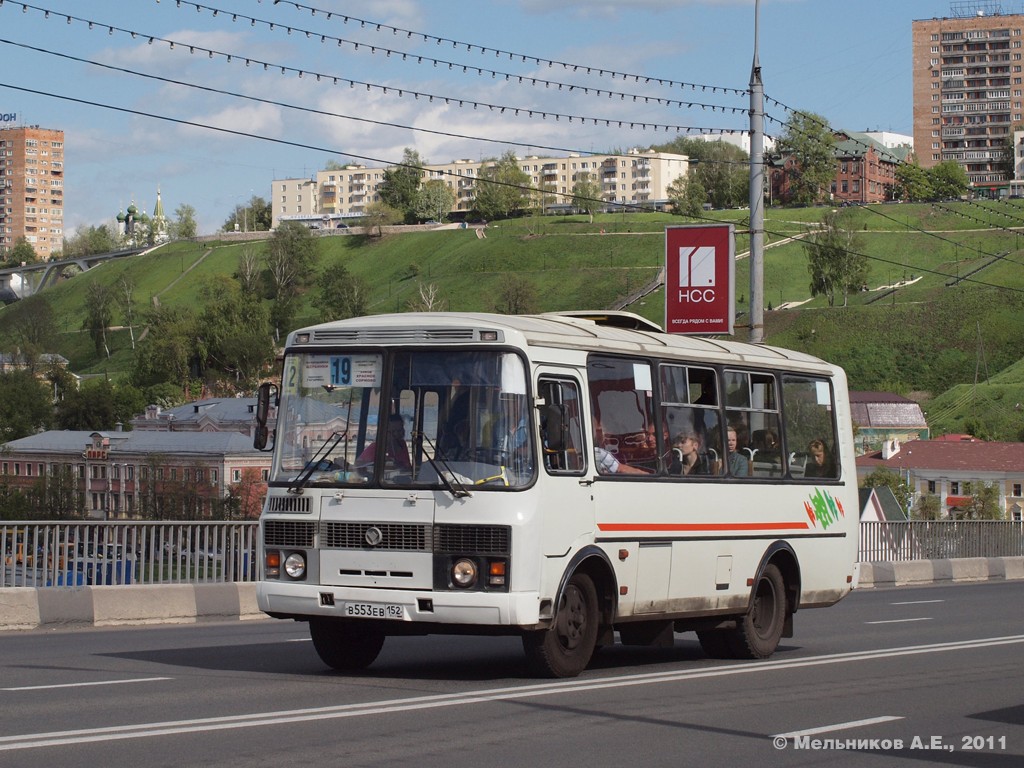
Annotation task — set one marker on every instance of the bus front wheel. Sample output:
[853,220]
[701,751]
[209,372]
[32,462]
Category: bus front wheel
[565,648]
[759,631]
[343,646]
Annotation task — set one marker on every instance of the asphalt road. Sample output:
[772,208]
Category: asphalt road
[884,674]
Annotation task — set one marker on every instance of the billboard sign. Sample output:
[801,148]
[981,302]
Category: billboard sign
[700,279]
[8,117]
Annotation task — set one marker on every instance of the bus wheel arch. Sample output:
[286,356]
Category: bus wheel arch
[581,618]
[773,600]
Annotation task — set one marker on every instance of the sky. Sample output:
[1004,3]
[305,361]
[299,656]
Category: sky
[176,107]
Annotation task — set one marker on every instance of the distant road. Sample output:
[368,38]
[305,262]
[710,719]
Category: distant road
[935,666]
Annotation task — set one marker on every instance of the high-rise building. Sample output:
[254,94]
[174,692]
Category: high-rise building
[32,189]
[967,90]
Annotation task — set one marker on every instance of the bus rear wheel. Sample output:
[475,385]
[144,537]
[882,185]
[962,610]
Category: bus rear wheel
[565,648]
[343,646]
[758,633]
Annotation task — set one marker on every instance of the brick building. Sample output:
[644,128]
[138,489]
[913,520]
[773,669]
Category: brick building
[32,189]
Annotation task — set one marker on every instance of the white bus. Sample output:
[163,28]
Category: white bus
[562,477]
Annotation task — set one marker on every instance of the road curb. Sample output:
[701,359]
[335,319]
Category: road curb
[918,572]
[25,608]
[28,608]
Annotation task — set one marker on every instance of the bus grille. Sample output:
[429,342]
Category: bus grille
[288,533]
[482,539]
[288,504]
[402,335]
[406,538]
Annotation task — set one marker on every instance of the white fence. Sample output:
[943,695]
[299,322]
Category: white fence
[939,539]
[51,554]
[48,554]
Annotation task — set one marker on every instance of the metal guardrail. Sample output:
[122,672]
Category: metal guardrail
[55,554]
[939,539]
[49,554]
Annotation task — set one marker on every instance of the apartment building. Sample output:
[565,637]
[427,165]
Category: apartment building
[118,475]
[32,189]
[967,89]
[635,178]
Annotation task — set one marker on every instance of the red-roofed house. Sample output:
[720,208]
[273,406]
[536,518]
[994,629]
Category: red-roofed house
[882,416]
[943,468]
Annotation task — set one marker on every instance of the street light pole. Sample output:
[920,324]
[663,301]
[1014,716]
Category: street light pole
[756,193]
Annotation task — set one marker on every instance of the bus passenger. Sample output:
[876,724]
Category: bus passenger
[395,449]
[688,458]
[739,465]
[605,460]
[820,463]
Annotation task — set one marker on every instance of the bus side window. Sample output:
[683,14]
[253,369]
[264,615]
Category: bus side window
[561,426]
[810,427]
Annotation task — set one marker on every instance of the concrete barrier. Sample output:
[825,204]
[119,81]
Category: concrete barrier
[27,608]
[917,572]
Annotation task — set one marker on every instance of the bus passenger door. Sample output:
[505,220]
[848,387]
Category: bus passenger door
[566,505]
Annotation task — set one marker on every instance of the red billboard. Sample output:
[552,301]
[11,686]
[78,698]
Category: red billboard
[700,279]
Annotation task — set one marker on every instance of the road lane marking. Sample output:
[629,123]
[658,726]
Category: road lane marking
[899,621]
[918,602]
[837,727]
[85,685]
[437,701]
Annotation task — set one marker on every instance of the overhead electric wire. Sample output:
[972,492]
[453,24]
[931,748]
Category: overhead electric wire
[461,102]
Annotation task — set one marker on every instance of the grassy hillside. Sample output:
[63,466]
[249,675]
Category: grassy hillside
[915,330]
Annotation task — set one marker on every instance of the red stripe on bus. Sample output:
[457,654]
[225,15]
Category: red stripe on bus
[703,526]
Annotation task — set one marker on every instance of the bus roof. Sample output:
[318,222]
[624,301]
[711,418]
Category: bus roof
[609,332]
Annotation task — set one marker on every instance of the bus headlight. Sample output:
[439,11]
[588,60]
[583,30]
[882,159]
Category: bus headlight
[464,573]
[295,565]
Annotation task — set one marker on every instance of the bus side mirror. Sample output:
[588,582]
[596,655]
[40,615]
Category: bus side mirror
[264,395]
[554,427]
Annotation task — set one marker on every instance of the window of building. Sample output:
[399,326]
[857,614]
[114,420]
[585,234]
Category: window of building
[1017,489]
[954,487]
[931,486]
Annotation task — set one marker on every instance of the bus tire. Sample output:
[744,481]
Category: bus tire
[715,643]
[343,646]
[566,647]
[757,634]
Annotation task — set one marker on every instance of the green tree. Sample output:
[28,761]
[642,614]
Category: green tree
[687,196]
[948,180]
[98,405]
[184,225]
[379,215]
[912,183]
[235,340]
[834,259]
[253,216]
[434,200]
[400,186]
[31,326]
[291,254]
[586,193]
[722,168]
[984,502]
[22,252]
[502,188]
[99,313]
[927,508]
[883,477]
[339,294]
[169,351]
[809,141]
[55,495]
[248,273]
[90,240]
[25,405]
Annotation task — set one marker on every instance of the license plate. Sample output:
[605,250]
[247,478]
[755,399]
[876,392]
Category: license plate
[374,611]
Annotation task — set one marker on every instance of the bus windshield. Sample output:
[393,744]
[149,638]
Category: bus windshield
[455,419]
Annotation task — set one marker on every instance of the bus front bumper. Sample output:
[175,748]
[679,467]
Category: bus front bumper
[479,609]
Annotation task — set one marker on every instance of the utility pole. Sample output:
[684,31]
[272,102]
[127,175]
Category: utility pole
[756,193]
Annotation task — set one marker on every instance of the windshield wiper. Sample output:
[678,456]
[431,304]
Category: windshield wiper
[328,446]
[453,484]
